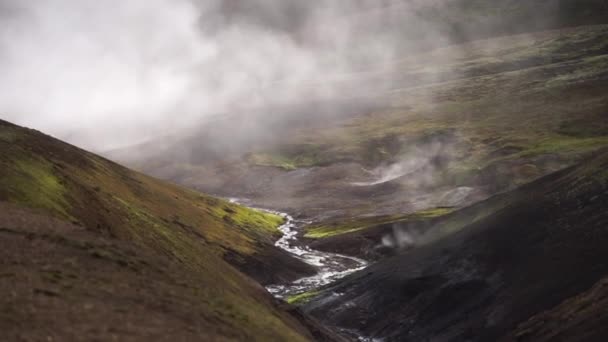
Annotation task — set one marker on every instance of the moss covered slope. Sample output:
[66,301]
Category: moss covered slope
[194,232]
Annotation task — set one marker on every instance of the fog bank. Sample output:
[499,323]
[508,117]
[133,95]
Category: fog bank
[105,74]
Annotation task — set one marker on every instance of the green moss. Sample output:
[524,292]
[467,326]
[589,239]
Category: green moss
[290,156]
[272,160]
[432,213]
[254,219]
[302,298]
[566,144]
[32,182]
[149,230]
[342,227]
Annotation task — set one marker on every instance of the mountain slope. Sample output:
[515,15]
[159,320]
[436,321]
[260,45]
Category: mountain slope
[75,185]
[62,282]
[145,243]
[487,116]
[544,243]
[581,318]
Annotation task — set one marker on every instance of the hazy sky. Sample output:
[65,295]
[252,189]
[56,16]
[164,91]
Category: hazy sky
[104,74]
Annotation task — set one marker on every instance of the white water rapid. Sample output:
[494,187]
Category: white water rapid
[330,266]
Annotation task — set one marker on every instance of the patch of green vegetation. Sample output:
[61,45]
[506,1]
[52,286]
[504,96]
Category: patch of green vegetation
[255,220]
[272,160]
[302,298]
[32,182]
[148,230]
[194,230]
[335,228]
[566,144]
[289,158]
[431,213]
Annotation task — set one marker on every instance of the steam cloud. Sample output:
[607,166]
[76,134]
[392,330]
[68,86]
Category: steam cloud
[419,164]
[108,73]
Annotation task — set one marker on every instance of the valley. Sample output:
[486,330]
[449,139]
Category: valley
[511,110]
[364,171]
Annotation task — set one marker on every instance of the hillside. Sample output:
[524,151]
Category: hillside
[128,256]
[528,265]
[446,127]
[432,170]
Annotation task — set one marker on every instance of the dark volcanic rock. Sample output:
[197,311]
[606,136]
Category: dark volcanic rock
[545,244]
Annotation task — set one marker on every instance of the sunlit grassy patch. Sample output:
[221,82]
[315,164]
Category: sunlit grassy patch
[326,230]
[254,219]
[565,144]
[273,160]
[33,182]
[301,298]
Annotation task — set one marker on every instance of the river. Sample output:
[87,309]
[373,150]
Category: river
[330,266]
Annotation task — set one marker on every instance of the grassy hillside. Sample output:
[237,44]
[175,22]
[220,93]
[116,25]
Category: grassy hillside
[194,236]
[78,186]
[511,266]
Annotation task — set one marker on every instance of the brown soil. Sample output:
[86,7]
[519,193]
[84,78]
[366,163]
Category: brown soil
[61,282]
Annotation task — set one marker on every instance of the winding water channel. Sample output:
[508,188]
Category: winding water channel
[330,266]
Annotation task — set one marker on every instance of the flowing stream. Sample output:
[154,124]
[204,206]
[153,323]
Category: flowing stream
[330,266]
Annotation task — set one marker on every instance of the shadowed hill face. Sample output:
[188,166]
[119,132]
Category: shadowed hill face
[133,221]
[543,244]
[581,318]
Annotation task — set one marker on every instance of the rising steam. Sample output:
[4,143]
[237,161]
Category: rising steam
[108,73]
